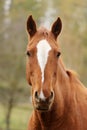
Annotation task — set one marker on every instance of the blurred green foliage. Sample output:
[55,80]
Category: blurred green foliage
[19,117]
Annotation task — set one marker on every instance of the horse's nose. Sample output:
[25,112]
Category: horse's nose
[40,98]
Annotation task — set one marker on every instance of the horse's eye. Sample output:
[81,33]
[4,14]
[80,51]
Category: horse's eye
[58,54]
[28,53]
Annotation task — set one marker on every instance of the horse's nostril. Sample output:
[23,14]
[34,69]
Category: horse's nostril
[36,94]
[51,95]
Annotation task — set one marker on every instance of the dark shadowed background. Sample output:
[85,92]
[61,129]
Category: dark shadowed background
[15,99]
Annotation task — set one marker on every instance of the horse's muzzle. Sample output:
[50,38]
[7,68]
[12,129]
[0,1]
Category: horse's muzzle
[43,105]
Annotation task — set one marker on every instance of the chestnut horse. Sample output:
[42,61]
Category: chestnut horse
[58,97]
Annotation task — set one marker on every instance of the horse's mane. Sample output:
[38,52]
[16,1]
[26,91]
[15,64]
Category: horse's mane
[72,72]
[74,77]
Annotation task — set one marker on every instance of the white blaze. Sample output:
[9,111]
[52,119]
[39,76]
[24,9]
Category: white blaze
[41,96]
[43,49]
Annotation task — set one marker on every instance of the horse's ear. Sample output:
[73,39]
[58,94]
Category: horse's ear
[31,26]
[56,27]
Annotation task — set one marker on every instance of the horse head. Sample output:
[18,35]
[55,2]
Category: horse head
[43,54]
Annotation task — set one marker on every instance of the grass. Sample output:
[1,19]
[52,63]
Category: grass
[19,118]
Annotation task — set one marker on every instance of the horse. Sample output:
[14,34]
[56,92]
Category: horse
[59,98]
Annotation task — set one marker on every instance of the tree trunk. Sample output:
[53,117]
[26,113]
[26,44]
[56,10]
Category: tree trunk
[9,110]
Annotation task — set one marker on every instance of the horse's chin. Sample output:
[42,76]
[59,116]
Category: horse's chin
[42,108]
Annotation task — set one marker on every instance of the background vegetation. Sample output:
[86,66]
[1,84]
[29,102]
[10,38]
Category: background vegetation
[15,107]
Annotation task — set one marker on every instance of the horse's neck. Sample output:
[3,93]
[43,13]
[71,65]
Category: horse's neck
[62,86]
[62,90]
